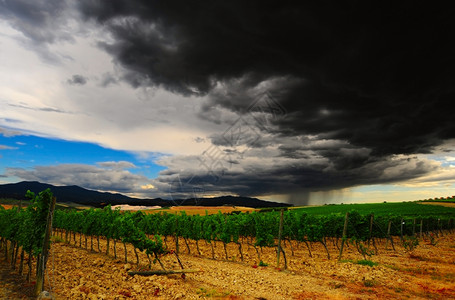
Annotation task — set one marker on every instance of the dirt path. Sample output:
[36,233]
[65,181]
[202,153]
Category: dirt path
[427,272]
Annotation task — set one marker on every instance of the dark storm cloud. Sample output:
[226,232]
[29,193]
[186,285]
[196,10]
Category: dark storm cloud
[289,176]
[77,80]
[379,75]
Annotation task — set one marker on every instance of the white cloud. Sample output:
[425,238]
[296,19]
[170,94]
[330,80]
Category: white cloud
[4,147]
[117,165]
[9,133]
[36,99]
[441,176]
[87,176]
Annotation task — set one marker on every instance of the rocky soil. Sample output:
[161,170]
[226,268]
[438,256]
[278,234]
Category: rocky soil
[428,271]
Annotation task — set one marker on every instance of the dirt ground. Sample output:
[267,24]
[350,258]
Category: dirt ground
[12,285]
[427,272]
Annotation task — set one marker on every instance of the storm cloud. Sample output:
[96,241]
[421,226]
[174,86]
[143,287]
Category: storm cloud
[373,76]
[381,73]
[313,96]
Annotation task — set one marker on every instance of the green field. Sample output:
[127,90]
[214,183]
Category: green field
[414,208]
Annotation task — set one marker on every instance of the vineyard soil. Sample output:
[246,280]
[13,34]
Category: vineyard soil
[74,273]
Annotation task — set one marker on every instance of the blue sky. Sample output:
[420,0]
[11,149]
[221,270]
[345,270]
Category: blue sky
[27,157]
[144,101]
[27,151]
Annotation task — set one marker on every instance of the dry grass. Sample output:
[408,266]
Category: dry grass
[200,210]
[7,206]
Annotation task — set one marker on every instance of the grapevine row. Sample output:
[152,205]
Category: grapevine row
[257,229]
[24,229]
[111,225]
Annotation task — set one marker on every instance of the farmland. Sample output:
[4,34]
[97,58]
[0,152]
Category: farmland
[413,208]
[236,254]
[397,274]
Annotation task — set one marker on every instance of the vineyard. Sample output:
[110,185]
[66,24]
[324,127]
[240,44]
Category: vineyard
[282,239]
[259,229]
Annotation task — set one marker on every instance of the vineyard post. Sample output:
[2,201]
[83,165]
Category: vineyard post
[371,229]
[13,246]
[6,249]
[21,264]
[176,235]
[280,231]
[440,226]
[42,263]
[371,234]
[15,251]
[401,230]
[421,227]
[343,238]
[414,227]
[389,237]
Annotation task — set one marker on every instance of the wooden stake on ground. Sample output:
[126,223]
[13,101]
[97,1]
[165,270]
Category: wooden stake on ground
[421,227]
[42,262]
[345,230]
[280,231]
[389,237]
[163,272]
[401,231]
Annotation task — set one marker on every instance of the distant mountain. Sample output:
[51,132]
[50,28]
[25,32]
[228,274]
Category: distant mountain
[83,196]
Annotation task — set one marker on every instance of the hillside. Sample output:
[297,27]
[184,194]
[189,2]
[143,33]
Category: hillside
[79,195]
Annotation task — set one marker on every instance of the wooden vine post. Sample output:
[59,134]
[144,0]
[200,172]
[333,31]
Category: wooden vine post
[440,226]
[370,229]
[176,235]
[421,227]
[163,272]
[389,237]
[345,231]
[371,236]
[280,232]
[46,241]
[401,230]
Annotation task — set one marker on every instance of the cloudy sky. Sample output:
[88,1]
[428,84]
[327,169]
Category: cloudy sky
[318,103]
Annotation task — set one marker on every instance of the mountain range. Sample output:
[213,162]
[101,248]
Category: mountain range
[79,195]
